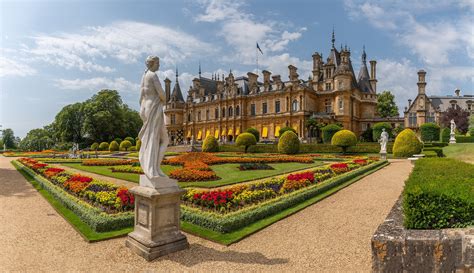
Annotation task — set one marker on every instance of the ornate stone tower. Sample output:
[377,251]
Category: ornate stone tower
[421,112]
[174,112]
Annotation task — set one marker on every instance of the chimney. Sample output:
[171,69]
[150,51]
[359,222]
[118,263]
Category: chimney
[293,75]
[266,79]
[421,82]
[277,80]
[457,92]
[252,79]
[373,76]
[409,102]
[316,66]
[167,89]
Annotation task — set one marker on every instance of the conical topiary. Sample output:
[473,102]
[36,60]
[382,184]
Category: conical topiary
[288,143]
[406,144]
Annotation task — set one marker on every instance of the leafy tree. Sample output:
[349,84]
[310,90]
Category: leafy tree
[471,125]
[37,140]
[254,132]
[246,139]
[329,130]
[8,138]
[69,122]
[386,105]
[344,139]
[367,135]
[377,130]
[460,117]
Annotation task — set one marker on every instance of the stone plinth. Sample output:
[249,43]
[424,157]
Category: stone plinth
[157,218]
[383,155]
[452,139]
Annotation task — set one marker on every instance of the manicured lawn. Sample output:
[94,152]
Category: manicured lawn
[106,171]
[460,151]
[229,173]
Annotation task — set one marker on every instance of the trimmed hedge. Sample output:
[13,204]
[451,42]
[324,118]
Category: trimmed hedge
[284,129]
[344,139]
[445,135]
[131,139]
[430,132]
[210,144]
[95,146]
[104,146]
[439,193]
[254,132]
[377,130]
[114,146]
[437,150]
[234,221]
[464,139]
[288,143]
[329,131]
[95,218]
[139,144]
[246,140]
[124,145]
[435,144]
[406,144]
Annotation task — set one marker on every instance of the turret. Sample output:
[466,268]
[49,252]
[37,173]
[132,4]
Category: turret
[316,66]
[421,82]
[373,78]
[167,89]
[266,79]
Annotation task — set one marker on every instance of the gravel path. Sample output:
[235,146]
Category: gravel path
[332,235]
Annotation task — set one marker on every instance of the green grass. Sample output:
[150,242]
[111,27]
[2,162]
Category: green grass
[460,151]
[233,237]
[106,171]
[86,232]
[229,173]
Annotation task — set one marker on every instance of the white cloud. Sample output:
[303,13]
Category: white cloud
[126,42]
[98,83]
[217,10]
[10,67]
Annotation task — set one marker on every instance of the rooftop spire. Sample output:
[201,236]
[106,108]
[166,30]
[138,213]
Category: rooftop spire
[176,73]
[333,37]
[199,69]
[364,56]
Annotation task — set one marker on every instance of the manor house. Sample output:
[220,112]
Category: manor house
[225,105]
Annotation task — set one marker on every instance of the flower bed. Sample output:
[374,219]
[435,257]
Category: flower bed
[254,166]
[127,169]
[108,162]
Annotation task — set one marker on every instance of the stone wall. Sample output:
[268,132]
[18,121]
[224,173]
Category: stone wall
[396,249]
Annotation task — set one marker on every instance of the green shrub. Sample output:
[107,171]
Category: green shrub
[406,144]
[344,139]
[288,143]
[210,144]
[445,135]
[430,132]
[439,193]
[254,132]
[430,153]
[118,140]
[114,146]
[377,130]
[104,146]
[284,129]
[132,149]
[329,131]
[131,139]
[397,130]
[246,139]
[95,146]
[464,139]
[471,126]
[437,150]
[139,144]
[124,145]
[367,135]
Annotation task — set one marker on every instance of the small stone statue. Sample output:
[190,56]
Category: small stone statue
[383,143]
[153,133]
[452,138]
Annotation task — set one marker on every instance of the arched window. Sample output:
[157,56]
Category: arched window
[199,116]
[223,112]
[237,110]
[231,111]
[189,117]
[216,113]
[294,106]
[207,114]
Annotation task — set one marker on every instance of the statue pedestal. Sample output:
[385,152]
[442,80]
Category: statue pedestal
[452,139]
[383,155]
[156,231]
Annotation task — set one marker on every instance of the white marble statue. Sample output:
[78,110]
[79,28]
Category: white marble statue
[153,134]
[453,126]
[383,141]
[452,138]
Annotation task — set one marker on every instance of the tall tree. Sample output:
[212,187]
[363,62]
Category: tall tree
[386,105]
[37,140]
[8,138]
[133,122]
[459,116]
[68,123]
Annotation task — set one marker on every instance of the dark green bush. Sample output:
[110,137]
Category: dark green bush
[114,146]
[132,149]
[254,132]
[284,129]
[288,143]
[344,139]
[430,153]
[131,139]
[95,146]
[430,132]
[377,130]
[445,134]
[210,144]
[406,144]
[439,194]
[437,150]
[464,139]
[367,135]
[245,139]
[104,146]
[329,131]
[118,140]
[124,145]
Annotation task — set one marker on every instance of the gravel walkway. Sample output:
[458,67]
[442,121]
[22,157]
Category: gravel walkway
[332,235]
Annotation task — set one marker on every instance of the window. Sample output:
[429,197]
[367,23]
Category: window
[237,110]
[199,115]
[277,106]
[223,112]
[231,111]
[264,108]
[341,104]
[328,86]
[328,106]
[252,109]
[412,119]
[189,117]
[216,113]
[207,114]
[430,117]
[173,119]
[294,106]
[341,85]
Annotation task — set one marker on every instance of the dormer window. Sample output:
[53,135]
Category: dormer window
[453,104]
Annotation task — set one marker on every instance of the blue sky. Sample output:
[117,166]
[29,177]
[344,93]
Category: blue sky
[53,53]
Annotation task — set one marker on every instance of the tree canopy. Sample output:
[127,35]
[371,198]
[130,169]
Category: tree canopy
[8,138]
[460,117]
[386,105]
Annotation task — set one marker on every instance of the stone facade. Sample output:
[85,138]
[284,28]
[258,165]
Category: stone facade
[225,106]
[426,108]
